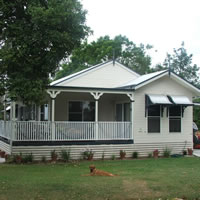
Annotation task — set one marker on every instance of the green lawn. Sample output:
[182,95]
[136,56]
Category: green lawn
[137,179]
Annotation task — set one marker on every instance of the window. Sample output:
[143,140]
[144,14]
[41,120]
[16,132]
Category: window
[154,119]
[123,112]
[175,119]
[44,112]
[81,111]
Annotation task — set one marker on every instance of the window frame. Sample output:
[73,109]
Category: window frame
[122,103]
[152,132]
[82,110]
[175,117]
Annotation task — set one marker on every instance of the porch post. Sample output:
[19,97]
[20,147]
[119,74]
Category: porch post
[131,96]
[39,113]
[13,119]
[49,110]
[53,95]
[96,96]
[4,108]
[96,118]
[13,111]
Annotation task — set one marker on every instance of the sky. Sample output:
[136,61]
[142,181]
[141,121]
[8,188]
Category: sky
[165,24]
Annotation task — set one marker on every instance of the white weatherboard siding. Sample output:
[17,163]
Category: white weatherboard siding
[165,86]
[143,149]
[106,76]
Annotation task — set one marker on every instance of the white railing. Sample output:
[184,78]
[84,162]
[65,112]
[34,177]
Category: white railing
[74,130]
[32,131]
[65,131]
[6,129]
[114,130]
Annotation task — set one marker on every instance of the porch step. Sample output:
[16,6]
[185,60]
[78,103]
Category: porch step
[196,152]
[2,160]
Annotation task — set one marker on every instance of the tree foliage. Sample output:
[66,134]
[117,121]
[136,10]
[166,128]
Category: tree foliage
[181,63]
[125,51]
[35,36]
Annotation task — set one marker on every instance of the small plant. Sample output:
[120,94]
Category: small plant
[88,154]
[184,152]
[135,154]
[65,155]
[166,152]
[43,159]
[150,155]
[17,158]
[122,154]
[103,156]
[155,153]
[27,158]
[54,156]
[113,157]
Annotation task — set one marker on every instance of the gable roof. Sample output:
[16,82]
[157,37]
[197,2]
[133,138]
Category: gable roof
[87,70]
[148,78]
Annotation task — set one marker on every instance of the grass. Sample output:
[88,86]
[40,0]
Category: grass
[137,179]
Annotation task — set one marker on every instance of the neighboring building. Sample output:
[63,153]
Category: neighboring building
[105,108]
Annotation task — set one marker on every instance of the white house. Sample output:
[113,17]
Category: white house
[105,108]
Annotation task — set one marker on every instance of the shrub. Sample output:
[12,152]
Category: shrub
[103,156]
[150,155]
[135,154]
[54,155]
[184,152]
[166,152]
[65,155]
[88,154]
[113,157]
[17,158]
[43,159]
[27,158]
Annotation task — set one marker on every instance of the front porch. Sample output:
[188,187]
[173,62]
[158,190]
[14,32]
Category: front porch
[64,131]
[73,116]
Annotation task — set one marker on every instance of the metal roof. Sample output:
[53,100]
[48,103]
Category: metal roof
[142,79]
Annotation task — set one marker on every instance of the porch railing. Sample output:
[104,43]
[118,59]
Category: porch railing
[65,131]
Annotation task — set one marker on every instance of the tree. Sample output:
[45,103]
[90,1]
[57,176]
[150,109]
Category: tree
[158,67]
[35,36]
[181,63]
[102,50]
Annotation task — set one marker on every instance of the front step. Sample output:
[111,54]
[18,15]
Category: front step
[196,152]
[2,160]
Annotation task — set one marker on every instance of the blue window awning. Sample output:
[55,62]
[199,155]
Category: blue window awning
[157,99]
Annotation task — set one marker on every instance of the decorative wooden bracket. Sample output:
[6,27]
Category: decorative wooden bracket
[96,95]
[131,96]
[53,93]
